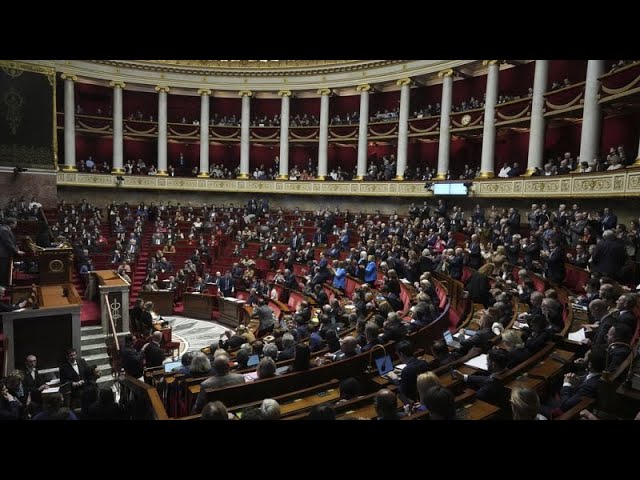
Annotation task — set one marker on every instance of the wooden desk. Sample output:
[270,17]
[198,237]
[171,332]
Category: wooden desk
[525,381]
[477,410]
[162,301]
[305,403]
[231,311]
[46,331]
[198,305]
[552,365]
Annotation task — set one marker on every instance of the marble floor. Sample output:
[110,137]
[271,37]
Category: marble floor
[194,334]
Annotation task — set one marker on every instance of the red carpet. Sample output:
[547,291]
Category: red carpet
[89,313]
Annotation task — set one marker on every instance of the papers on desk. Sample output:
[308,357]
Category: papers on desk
[51,390]
[479,362]
[577,336]
[234,300]
[55,381]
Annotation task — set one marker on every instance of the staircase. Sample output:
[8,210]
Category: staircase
[94,351]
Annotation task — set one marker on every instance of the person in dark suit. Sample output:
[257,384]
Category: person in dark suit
[609,256]
[618,346]
[456,264]
[8,249]
[131,360]
[479,287]
[75,372]
[609,220]
[226,285]
[33,383]
[574,387]
[555,262]
[489,388]
[153,354]
[408,390]
[475,254]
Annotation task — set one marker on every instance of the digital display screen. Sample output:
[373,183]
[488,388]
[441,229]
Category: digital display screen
[449,189]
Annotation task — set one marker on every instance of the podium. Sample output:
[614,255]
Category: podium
[117,291]
[198,305]
[231,311]
[54,265]
[46,331]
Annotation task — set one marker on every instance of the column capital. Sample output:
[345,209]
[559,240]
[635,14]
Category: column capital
[285,93]
[162,89]
[69,76]
[204,91]
[404,81]
[365,87]
[445,73]
[245,93]
[117,83]
[489,62]
[324,91]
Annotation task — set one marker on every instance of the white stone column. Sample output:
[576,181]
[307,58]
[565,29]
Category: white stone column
[363,130]
[323,142]
[204,132]
[118,142]
[536,131]
[444,143]
[244,133]
[487,167]
[69,123]
[403,128]
[637,162]
[284,134]
[162,129]
[590,135]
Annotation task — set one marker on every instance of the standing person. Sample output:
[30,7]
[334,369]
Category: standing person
[8,248]
[75,371]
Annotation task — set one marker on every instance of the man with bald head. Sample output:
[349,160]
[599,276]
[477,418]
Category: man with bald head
[221,379]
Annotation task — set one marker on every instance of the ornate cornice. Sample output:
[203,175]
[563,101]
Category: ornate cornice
[251,68]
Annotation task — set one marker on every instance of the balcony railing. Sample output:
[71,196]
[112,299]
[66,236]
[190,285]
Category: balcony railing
[618,183]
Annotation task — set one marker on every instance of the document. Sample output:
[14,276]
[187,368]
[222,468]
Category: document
[577,336]
[479,362]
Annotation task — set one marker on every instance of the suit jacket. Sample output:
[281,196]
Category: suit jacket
[571,396]
[31,384]
[555,265]
[7,242]
[216,382]
[153,355]
[68,374]
[409,377]
[488,388]
[609,222]
[609,258]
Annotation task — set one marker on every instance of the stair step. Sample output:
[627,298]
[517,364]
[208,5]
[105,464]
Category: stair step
[94,349]
[97,359]
[91,330]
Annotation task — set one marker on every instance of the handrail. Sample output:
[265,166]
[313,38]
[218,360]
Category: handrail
[5,354]
[112,326]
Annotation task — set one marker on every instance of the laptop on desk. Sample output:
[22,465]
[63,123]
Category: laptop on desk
[448,338]
[253,360]
[384,365]
[171,365]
